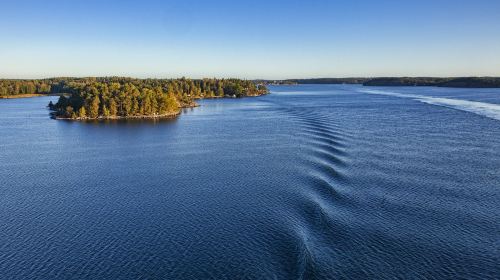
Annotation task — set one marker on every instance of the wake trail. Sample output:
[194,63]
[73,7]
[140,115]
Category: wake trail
[489,110]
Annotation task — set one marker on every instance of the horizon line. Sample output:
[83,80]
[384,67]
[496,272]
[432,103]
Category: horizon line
[249,79]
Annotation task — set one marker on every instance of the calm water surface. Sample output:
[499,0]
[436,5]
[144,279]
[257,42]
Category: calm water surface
[315,181]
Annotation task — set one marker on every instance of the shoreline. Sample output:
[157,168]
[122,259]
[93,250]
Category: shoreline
[164,116]
[28,95]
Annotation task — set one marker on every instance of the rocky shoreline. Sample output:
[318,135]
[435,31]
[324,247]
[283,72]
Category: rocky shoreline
[164,116]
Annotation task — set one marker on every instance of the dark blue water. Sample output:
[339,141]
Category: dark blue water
[310,182]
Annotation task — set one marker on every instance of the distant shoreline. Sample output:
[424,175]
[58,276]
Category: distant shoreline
[463,82]
[15,96]
[28,95]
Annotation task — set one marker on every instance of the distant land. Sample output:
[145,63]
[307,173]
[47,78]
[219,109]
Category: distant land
[332,81]
[464,82]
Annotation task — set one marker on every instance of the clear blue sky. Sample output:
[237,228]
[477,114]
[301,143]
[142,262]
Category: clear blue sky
[249,39]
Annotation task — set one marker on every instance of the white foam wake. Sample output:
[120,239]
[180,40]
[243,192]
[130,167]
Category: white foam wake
[480,108]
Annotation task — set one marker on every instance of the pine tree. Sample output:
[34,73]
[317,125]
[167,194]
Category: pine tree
[82,113]
[113,110]
[220,91]
[105,111]
[172,105]
[154,105]
[69,111]
[135,106]
[94,107]
[147,105]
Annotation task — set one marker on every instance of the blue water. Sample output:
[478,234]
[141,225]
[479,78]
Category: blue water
[310,182]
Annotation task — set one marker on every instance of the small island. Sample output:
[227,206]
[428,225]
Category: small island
[124,98]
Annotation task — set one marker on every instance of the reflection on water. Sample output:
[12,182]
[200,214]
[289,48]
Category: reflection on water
[129,122]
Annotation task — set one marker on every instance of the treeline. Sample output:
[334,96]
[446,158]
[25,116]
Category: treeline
[330,81]
[466,82]
[404,81]
[474,82]
[19,87]
[115,97]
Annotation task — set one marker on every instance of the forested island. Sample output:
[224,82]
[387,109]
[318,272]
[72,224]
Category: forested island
[117,97]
